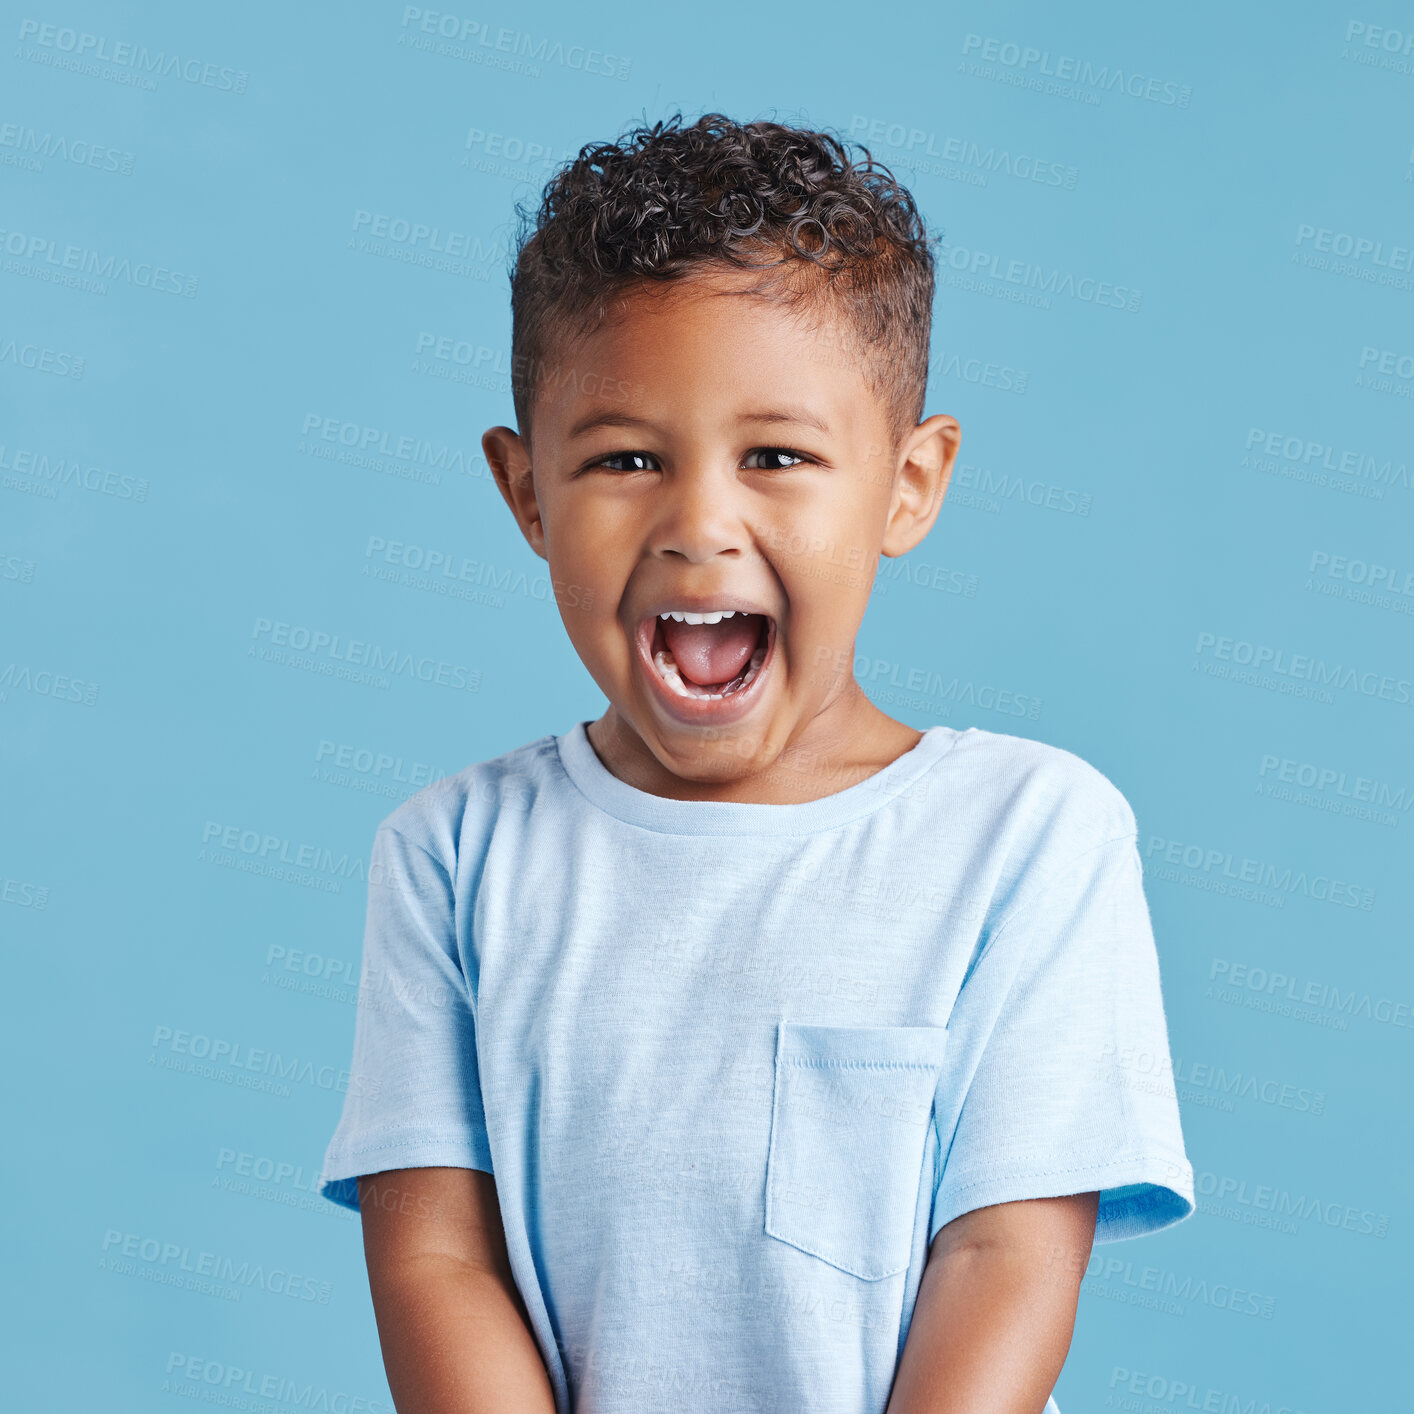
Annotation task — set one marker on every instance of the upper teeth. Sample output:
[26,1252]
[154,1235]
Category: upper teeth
[683,617]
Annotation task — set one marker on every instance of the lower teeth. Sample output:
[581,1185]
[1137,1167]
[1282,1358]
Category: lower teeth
[668,671]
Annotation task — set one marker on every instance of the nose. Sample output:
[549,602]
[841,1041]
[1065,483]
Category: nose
[699,515]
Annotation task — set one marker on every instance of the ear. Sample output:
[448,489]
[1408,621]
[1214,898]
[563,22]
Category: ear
[508,456]
[925,463]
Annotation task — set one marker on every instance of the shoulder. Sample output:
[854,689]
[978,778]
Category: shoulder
[1041,815]
[449,815]
[1043,794]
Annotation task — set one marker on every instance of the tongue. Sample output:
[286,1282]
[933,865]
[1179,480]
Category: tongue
[708,654]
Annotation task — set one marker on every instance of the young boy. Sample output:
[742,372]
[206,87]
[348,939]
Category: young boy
[744,1050]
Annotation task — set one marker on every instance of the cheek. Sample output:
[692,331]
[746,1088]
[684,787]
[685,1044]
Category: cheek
[595,634]
[590,531]
[828,572]
[580,546]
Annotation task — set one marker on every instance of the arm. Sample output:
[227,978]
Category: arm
[996,1308]
[451,1322]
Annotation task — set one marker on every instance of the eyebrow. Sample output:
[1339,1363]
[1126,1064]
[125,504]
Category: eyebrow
[606,419]
[802,417]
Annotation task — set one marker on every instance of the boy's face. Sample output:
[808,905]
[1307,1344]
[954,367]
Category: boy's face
[706,449]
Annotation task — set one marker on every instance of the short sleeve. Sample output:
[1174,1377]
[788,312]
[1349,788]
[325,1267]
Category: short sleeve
[414,1091]
[1059,1078]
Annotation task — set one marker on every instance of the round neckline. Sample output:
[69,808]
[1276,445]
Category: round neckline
[665,815]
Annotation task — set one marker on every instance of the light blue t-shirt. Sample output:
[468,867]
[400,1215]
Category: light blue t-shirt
[734,1065]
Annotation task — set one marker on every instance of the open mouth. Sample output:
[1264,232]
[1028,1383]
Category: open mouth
[710,656]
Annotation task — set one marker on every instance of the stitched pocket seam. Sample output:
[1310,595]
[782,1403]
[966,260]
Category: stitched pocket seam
[780,1108]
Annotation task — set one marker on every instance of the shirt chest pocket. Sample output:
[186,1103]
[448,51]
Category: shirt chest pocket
[850,1113]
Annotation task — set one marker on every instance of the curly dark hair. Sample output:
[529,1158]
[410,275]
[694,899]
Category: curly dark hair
[666,200]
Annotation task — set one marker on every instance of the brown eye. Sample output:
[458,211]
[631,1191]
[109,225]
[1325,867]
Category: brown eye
[777,459]
[636,461]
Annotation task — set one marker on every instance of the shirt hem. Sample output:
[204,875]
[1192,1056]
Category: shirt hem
[342,1169]
[1161,1193]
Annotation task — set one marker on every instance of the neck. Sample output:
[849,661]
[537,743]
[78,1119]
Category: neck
[844,743]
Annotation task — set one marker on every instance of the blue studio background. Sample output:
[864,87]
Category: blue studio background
[253,321]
